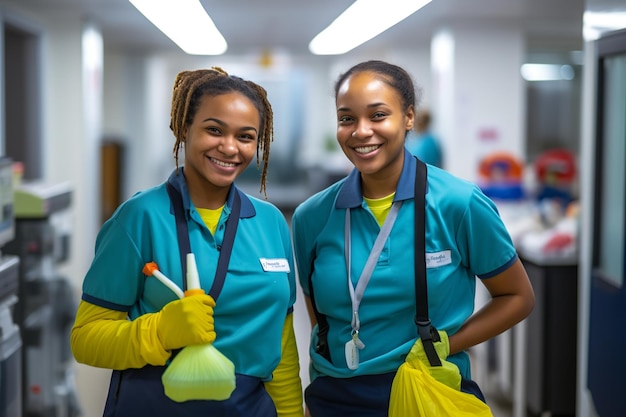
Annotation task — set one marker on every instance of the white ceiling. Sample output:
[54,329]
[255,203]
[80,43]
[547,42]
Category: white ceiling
[251,25]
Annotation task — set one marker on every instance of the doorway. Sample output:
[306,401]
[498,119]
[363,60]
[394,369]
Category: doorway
[23,96]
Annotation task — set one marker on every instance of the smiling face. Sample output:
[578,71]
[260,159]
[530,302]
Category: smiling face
[371,129]
[220,143]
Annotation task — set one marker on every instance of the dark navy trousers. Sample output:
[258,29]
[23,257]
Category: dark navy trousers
[361,396]
[139,392]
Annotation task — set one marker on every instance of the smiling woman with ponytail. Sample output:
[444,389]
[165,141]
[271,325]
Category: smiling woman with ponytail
[357,246]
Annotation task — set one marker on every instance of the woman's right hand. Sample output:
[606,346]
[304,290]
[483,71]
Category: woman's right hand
[448,373]
[188,321]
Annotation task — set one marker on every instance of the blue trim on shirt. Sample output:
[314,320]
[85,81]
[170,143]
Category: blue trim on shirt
[499,270]
[103,303]
[177,179]
[351,193]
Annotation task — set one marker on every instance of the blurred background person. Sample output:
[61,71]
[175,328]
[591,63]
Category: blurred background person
[423,143]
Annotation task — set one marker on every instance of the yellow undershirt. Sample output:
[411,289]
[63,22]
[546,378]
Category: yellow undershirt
[380,207]
[210,217]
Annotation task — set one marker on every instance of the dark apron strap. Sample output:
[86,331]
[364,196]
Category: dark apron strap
[227,247]
[427,332]
[322,324]
[184,246]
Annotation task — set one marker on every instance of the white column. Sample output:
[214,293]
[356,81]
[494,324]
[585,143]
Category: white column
[478,108]
[73,113]
[478,94]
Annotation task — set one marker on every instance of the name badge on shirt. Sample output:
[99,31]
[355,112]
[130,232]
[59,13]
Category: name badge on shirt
[275,264]
[437,259]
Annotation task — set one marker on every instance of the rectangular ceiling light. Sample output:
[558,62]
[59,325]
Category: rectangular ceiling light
[547,72]
[186,23]
[360,22]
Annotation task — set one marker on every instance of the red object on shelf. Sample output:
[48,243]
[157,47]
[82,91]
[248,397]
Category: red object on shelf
[558,242]
[501,167]
[556,167]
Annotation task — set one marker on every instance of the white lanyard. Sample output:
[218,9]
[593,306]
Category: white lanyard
[353,346]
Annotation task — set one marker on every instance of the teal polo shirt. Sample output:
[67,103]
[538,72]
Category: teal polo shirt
[254,296]
[465,239]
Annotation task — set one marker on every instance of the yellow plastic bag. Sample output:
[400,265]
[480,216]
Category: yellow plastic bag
[416,393]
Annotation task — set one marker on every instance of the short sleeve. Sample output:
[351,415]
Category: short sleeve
[482,237]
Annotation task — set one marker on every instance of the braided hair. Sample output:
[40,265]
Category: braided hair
[191,86]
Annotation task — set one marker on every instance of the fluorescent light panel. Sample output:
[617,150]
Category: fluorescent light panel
[547,72]
[360,22]
[186,23]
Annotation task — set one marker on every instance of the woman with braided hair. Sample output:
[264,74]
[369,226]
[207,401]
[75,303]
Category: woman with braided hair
[133,324]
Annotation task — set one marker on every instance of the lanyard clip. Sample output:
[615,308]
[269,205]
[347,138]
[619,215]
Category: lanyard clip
[356,323]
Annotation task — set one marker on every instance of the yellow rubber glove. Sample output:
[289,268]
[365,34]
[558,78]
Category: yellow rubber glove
[188,321]
[285,388]
[105,338]
[448,373]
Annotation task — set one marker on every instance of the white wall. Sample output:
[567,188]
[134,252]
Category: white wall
[479,95]
[138,93]
[72,73]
